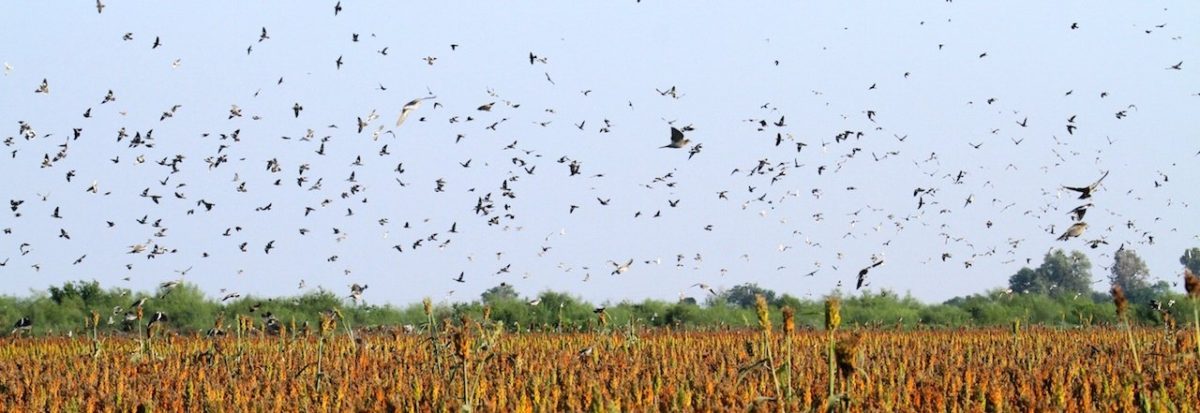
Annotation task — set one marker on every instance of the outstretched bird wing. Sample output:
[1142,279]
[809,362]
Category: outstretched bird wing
[676,136]
[1098,181]
[408,108]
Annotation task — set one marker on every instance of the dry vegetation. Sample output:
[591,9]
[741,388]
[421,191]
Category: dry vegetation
[475,364]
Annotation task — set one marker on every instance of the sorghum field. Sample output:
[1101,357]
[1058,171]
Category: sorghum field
[468,364]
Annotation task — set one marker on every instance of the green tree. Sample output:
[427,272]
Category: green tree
[649,312]
[1066,275]
[87,291]
[1191,260]
[1059,275]
[743,295]
[556,306]
[1027,281]
[1131,273]
[511,312]
[883,307]
[680,315]
[501,292]
[944,316]
[186,307]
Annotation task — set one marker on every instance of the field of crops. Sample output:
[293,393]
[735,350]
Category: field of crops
[486,368]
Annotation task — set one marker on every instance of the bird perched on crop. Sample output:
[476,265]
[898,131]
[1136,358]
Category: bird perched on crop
[677,139]
[1086,191]
[1074,231]
[158,317]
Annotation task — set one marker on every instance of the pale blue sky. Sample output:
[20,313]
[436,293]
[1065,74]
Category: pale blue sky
[722,59]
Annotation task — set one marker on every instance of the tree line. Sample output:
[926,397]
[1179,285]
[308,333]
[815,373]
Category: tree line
[1057,293]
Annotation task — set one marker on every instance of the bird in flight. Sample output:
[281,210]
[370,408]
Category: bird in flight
[704,286]
[1075,230]
[1079,211]
[1086,191]
[677,139]
[410,107]
[356,291]
[862,274]
[621,268]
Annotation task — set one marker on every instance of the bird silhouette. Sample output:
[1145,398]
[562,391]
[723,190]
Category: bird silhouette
[862,274]
[677,139]
[1085,192]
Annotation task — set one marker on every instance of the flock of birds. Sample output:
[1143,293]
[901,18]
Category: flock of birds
[312,183]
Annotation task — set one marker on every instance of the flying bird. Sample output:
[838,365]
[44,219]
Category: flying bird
[621,268]
[356,292]
[1079,211]
[409,108]
[706,287]
[862,274]
[167,286]
[1086,191]
[677,139]
[1074,231]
